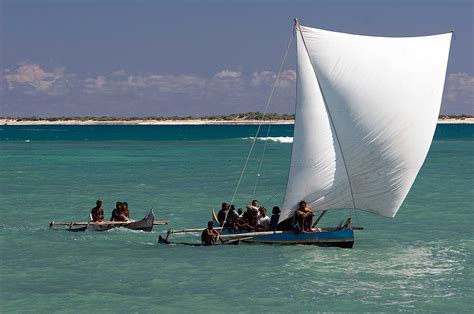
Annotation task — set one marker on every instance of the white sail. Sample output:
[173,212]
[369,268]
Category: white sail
[366,112]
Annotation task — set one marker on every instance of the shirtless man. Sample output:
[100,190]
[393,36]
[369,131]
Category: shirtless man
[209,235]
[97,213]
[223,213]
[304,217]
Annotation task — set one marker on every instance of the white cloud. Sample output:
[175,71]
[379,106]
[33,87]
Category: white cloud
[119,73]
[95,83]
[459,94]
[121,93]
[226,74]
[287,78]
[33,75]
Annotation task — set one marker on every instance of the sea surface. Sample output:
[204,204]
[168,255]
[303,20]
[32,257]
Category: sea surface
[419,261]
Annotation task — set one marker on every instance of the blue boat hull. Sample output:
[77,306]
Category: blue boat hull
[339,238]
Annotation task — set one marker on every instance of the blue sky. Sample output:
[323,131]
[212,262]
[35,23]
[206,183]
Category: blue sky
[145,58]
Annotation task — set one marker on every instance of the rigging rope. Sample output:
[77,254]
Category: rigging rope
[275,85]
[261,162]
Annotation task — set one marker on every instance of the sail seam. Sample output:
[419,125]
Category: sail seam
[329,115]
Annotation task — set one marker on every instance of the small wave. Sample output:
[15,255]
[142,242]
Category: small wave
[277,139]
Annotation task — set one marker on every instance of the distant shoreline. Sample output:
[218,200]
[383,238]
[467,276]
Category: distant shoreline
[142,122]
[177,122]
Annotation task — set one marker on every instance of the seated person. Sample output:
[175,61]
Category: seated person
[242,223]
[264,220]
[116,211]
[348,224]
[251,217]
[304,218]
[240,212]
[275,218]
[97,213]
[120,213]
[231,217]
[126,212]
[209,235]
[222,213]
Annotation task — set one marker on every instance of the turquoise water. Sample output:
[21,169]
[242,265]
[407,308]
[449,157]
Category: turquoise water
[422,260]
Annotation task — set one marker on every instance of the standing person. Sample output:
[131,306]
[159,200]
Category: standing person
[97,213]
[304,217]
[253,210]
[253,206]
[209,235]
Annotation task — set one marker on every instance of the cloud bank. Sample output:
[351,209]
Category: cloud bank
[32,90]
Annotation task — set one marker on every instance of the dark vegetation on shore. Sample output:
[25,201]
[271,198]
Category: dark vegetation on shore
[459,117]
[228,117]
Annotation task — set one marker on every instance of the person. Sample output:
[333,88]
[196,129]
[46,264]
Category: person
[251,218]
[240,212]
[242,223]
[231,217]
[209,235]
[119,213]
[264,220]
[304,217]
[222,213]
[126,212]
[97,213]
[275,218]
[251,215]
[253,206]
[115,212]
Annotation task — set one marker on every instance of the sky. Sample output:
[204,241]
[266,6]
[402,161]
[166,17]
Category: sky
[153,58]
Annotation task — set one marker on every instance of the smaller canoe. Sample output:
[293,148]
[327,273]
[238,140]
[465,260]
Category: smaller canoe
[146,224]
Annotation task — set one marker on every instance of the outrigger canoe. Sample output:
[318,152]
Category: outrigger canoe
[146,224]
[335,237]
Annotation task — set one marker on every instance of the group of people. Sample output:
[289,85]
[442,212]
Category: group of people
[255,218]
[119,213]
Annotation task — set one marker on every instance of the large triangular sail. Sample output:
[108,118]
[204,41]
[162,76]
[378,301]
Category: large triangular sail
[366,112]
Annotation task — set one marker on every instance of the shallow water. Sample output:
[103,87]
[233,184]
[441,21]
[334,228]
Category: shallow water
[419,261]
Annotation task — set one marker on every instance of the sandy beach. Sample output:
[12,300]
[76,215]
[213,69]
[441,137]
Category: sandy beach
[5,121]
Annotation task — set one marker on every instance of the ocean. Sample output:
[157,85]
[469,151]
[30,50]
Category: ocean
[421,260]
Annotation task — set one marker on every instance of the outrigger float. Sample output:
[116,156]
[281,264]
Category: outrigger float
[365,116]
[146,224]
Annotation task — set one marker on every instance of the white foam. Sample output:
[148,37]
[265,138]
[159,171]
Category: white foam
[277,139]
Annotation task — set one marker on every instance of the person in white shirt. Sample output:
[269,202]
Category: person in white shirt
[264,220]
